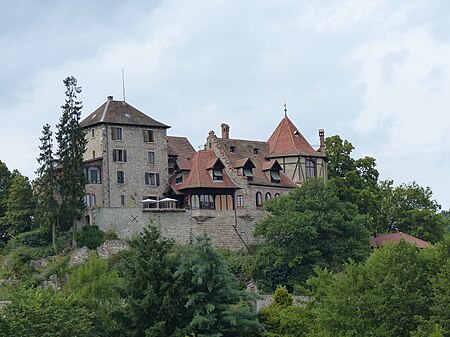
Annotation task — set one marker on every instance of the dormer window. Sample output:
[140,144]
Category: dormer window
[217,174]
[248,173]
[296,133]
[275,176]
[179,179]
[255,150]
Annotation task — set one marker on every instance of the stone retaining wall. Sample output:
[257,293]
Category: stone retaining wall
[183,225]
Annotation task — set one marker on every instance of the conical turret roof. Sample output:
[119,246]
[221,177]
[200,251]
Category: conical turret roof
[287,140]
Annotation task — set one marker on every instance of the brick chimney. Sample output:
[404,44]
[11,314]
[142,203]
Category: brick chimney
[225,131]
[322,140]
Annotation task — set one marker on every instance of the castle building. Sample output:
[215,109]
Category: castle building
[133,166]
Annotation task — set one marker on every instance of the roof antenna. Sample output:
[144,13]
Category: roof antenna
[285,109]
[123,85]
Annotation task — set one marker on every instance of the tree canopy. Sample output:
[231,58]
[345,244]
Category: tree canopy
[309,227]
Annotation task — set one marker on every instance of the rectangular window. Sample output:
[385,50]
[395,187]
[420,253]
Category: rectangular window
[152,179]
[122,200]
[240,201]
[120,177]
[93,175]
[93,133]
[151,157]
[89,200]
[149,136]
[93,154]
[119,155]
[116,133]
[217,175]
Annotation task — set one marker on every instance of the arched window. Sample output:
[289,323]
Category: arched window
[310,168]
[268,196]
[277,195]
[258,199]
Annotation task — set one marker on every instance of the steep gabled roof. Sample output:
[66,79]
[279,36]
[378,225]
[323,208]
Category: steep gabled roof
[180,147]
[199,176]
[381,240]
[244,150]
[287,140]
[120,113]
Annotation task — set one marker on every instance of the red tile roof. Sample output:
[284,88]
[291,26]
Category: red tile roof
[287,140]
[180,147]
[381,240]
[199,176]
[120,113]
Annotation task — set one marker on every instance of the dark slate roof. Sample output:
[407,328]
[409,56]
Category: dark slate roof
[287,140]
[120,113]
[180,147]
[381,240]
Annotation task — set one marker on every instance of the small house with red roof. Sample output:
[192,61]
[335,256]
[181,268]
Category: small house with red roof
[383,239]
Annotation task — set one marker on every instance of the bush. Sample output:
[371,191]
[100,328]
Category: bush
[17,263]
[36,238]
[90,236]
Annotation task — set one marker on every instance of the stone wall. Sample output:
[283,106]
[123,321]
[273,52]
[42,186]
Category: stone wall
[183,225]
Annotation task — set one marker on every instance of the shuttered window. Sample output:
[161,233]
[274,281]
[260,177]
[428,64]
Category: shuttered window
[116,133]
[152,179]
[149,136]
[119,155]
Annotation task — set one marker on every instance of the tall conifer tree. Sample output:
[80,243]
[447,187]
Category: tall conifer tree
[71,146]
[47,210]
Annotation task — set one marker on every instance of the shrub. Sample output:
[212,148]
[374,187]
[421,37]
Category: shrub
[36,238]
[91,236]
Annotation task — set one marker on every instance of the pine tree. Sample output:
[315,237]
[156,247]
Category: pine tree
[217,308]
[46,185]
[5,184]
[71,147]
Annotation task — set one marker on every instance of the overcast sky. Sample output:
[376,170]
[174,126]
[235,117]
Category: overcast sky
[375,72]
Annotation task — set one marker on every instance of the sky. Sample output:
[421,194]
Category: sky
[376,73]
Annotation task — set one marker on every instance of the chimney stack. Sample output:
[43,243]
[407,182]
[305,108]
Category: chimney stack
[225,131]
[322,140]
[110,98]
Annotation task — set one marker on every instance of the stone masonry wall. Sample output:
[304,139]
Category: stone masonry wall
[183,225]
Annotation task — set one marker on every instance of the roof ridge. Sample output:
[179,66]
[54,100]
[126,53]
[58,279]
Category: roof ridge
[104,111]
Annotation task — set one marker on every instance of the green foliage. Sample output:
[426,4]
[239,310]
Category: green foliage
[46,185]
[408,207]
[282,319]
[95,283]
[307,228]
[241,264]
[216,307]
[45,313]
[17,262]
[90,236]
[384,296]
[154,297]
[36,238]
[19,206]
[71,147]
[5,184]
